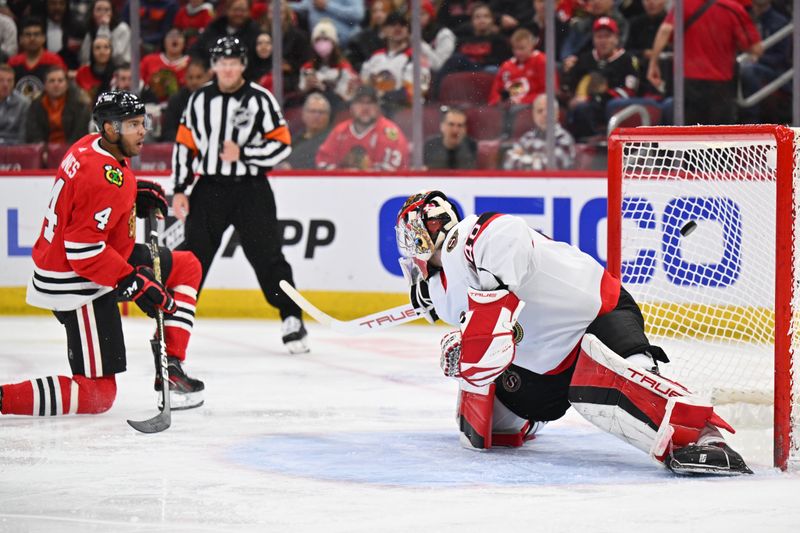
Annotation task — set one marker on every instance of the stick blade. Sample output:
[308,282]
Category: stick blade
[157,424]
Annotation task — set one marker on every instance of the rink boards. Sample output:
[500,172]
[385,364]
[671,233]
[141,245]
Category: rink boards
[338,231]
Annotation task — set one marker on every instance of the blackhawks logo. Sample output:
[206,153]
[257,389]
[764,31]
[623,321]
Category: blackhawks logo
[391,133]
[113,175]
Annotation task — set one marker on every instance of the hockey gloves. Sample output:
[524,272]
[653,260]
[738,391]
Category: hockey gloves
[142,287]
[421,300]
[149,195]
[485,346]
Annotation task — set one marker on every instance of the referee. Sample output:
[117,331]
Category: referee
[231,134]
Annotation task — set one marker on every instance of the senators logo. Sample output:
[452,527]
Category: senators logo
[452,242]
[511,381]
[517,332]
[113,175]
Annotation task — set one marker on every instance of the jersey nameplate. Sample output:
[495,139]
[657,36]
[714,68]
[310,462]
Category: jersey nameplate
[469,245]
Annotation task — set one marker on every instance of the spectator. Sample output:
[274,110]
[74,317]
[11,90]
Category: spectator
[711,43]
[155,18]
[604,73]
[536,24]
[60,114]
[317,125]
[369,40]
[511,14]
[442,40]
[13,109]
[521,78]
[193,18]
[296,47]
[481,48]
[530,152]
[8,37]
[95,77]
[451,149]
[236,22]
[122,80]
[163,72]
[579,38]
[196,76]
[33,60]
[63,37]
[390,71]
[327,71]
[368,141]
[260,70]
[643,29]
[104,18]
[774,62]
[345,15]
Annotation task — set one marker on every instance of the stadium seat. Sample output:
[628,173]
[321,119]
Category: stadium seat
[53,154]
[21,157]
[488,154]
[465,88]
[484,122]
[652,107]
[156,156]
[294,118]
[431,116]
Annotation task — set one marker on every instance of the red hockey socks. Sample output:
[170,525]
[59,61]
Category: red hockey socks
[59,395]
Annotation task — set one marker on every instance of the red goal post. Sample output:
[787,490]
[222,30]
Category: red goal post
[725,288]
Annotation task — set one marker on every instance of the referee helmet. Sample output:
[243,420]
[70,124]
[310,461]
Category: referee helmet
[228,47]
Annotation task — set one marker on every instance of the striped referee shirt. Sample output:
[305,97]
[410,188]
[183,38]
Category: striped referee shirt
[250,117]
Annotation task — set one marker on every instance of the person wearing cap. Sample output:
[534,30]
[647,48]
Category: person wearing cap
[345,15]
[579,38]
[231,135]
[328,72]
[604,73]
[390,70]
[367,141]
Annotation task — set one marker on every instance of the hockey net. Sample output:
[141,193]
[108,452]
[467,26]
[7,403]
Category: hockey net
[702,230]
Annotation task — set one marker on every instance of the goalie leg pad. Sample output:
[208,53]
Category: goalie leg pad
[644,409]
[474,415]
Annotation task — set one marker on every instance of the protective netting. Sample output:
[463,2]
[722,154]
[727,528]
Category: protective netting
[698,254]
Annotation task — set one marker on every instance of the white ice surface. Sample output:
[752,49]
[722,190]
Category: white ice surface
[357,436]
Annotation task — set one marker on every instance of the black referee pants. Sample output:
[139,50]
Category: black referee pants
[249,206]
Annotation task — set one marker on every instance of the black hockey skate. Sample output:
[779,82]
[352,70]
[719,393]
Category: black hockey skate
[715,458]
[184,392]
[294,335]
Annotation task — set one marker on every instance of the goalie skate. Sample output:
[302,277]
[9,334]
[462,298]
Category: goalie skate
[184,392]
[710,459]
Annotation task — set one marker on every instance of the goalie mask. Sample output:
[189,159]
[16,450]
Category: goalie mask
[422,224]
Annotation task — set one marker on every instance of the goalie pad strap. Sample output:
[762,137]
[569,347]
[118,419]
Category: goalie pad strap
[642,408]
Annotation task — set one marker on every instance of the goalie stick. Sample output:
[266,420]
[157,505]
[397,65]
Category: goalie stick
[163,419]
[359,326]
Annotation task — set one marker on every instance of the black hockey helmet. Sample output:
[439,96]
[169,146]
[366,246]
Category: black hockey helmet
[422,224]
[116,106]
[228,47]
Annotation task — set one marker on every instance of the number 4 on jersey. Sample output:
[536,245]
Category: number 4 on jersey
[51,217]
[102,218]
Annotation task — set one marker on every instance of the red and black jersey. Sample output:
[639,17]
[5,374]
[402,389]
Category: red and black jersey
[621,71]
[88,231]
[381,147]
[519,83]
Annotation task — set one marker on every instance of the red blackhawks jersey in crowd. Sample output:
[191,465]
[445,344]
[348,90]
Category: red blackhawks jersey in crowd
[382,147]
[519,83]
[88,230]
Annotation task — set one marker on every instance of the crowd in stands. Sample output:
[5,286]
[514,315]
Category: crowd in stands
[348,72]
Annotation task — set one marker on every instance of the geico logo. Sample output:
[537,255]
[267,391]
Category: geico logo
[665,246]
[319,233]
[554,216]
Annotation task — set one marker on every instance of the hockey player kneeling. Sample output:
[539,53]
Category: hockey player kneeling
[543,326]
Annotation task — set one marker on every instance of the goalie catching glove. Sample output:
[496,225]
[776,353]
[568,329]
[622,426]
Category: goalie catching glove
[143,288]
[484,347]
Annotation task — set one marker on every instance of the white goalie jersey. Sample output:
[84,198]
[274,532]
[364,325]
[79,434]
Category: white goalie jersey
[564,288]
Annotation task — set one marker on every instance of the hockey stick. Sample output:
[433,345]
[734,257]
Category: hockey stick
[365,324]
[163,419]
